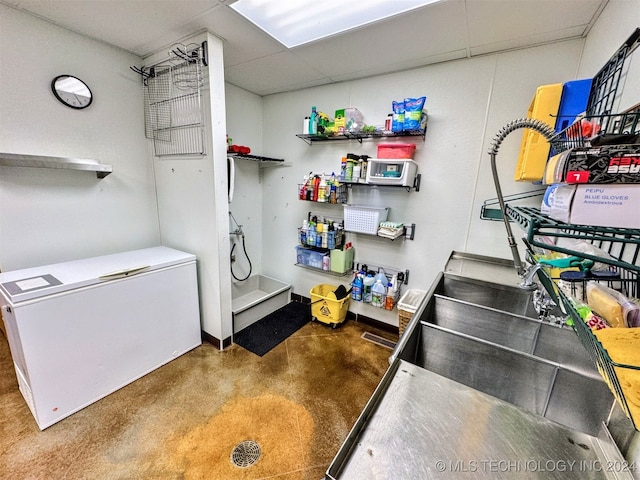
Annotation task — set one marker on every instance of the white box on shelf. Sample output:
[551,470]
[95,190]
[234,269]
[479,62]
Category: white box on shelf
[364,219]
[391,171]
[610,205]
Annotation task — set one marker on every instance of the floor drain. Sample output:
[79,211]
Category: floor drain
[245,454]
[378,340]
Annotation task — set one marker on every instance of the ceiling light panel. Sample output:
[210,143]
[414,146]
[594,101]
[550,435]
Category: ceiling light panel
[295,23]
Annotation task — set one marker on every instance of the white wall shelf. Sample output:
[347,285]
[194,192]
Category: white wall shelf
[41,161]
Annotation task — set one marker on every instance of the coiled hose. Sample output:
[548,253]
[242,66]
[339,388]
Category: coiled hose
[244,248]
[550,135]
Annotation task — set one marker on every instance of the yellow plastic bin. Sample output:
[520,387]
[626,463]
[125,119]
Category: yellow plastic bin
[326,308]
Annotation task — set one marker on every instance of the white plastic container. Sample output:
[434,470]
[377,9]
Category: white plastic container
[391,172]
[407,306]
[364,219]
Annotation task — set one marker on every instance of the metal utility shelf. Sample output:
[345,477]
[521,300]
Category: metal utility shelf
[621,243]
[39,161]
[257,158]
[359,136]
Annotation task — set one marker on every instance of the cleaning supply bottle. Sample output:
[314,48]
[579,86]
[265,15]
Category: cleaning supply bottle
[313,121]
[392,294]
[382,277]
[378,292]
[356,288]
[303,188]
[322,189]
[367,283]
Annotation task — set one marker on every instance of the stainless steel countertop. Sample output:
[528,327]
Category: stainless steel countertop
[482,267]
[420,425]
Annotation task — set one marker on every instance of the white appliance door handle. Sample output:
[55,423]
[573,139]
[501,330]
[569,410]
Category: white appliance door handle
[128,272]
[231,165]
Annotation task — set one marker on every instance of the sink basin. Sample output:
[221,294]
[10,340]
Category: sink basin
[506,298]
[476,333]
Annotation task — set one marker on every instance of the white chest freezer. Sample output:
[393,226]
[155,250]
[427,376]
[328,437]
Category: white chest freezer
[81,330]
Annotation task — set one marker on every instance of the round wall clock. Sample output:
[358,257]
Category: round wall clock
[71,91]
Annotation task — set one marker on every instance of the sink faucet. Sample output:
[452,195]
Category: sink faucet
[528,275]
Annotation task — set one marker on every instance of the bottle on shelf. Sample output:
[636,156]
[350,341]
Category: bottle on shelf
[367,283]
[333,189]
[356,288]
[313,121]
[343,169]
[325,234]
[322,189]
[303,232]
[378,293]
[392,293]
[303,188]
[316,186]
[357,167]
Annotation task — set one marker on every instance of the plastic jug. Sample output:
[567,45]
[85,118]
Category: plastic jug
[378,294]
[356,289]
[367,283]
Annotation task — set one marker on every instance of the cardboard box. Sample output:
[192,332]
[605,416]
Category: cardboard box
[614,205]
[601,165]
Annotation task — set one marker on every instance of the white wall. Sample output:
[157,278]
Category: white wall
[47,215]
[468,102]
[244,126]
[192,199]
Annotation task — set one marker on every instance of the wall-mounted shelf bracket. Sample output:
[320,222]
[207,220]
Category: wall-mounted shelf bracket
[41,161]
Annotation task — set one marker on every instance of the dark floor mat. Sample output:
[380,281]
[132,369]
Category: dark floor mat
[269,331]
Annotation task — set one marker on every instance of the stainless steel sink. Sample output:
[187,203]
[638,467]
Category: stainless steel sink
[479,292]
[534,365]
[477,375]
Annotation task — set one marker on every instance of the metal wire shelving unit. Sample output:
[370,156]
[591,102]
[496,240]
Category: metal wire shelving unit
[621,244]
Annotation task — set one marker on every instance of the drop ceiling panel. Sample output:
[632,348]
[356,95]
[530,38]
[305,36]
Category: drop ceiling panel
[521,42]
[279,72]
[450,29]
[498,21]
[433,30]
[136,26]
[242,40]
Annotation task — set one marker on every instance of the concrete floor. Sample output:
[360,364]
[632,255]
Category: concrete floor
[183,420]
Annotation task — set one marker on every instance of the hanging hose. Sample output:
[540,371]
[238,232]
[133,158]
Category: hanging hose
[549,134]
[244,248]
[238,231]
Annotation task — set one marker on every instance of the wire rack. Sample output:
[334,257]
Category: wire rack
[173,106]
[601,120]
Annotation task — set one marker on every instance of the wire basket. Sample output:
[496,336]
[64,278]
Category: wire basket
[600,120]
[361,219]
[608,368]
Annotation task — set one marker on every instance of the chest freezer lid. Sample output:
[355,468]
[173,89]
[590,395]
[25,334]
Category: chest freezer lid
[36,282]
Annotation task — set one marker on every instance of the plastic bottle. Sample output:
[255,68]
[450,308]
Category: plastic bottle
[311,234]
[392,293]
[303,188]
[382,277]
[388,122]
[333,189]
[367,283]
[378,292]
[326,261]
[357,168]
[303,232]
[348,175]
[325,235]
[331,237]
[322,190]
[316,186]
[356,288]
[305,125]
[343,169]
[313,121]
